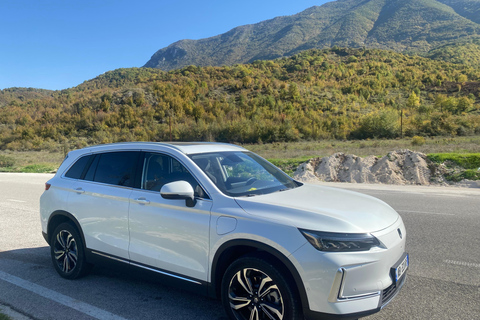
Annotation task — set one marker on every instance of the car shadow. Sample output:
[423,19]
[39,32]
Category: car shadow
[120,291]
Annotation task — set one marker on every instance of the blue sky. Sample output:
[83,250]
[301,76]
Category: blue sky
[58,44]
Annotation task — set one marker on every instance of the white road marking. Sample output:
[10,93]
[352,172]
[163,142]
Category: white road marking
[463,263]
[425,212]
[15,200]
[83,307]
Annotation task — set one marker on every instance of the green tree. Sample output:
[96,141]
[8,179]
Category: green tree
[413,101]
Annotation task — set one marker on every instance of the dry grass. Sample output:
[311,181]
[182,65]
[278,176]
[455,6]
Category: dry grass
[293,150]
[33,161]
[287,154]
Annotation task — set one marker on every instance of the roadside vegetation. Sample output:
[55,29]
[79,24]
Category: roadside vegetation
[460,166]
[459,155]
[30,161]
[313,104]
[4,316]
[459,152]
[334,94]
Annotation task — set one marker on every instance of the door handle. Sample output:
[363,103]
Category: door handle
[79,190]
[142,200]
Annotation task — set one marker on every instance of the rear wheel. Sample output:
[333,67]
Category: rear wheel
[68,253]
[253,288]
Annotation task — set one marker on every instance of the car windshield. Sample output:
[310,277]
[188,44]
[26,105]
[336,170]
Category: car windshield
[240,174]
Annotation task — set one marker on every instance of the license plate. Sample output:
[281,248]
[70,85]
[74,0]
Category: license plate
[401,269]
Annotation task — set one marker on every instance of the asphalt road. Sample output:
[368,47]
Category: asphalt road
[443,281]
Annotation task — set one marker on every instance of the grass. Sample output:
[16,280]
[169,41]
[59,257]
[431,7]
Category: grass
[467,174]
[459,166]
[363,148]
[30,161]
[289,165]
[463,151]
[467,160]
[4,316]
[38,168]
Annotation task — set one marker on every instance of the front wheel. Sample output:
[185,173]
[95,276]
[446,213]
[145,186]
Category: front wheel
[67,251]
[252,288]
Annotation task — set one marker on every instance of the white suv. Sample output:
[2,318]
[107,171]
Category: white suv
[222,220]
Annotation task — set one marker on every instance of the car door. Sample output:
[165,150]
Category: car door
[166,234]
[100,201]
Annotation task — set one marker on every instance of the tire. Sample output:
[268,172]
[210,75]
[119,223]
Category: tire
[253,288]
[68,253]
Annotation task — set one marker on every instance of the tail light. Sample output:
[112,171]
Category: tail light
[47,186]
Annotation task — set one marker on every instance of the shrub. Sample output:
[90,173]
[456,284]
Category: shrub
[467,174]
[6,161]
[418,141]
[382,124]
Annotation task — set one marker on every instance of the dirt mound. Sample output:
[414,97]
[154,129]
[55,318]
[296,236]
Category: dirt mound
[397,167]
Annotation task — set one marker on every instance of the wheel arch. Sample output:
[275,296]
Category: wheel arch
[58,217]
[234,249]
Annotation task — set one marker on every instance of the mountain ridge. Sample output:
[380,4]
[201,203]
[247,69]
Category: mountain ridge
[402,25]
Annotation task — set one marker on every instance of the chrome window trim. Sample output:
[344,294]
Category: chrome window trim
[101,184]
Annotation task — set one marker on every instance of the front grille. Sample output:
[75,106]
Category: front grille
[389,293]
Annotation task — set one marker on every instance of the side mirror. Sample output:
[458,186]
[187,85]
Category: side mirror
[179,190]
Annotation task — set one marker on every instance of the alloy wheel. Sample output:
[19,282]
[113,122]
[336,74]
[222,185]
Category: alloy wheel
[65,251]
[254,295]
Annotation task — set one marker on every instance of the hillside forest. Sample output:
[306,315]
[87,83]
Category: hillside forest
[317,94]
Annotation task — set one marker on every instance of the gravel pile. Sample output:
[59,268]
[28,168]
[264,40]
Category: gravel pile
[401,167]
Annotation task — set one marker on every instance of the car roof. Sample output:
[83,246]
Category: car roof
[184,147]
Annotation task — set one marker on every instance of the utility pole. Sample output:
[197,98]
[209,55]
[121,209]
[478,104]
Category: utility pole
[401,123]
[170,127]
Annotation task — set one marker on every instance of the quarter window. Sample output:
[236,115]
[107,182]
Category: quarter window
[76,171]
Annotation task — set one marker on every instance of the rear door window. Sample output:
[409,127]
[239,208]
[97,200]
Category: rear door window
[115,168]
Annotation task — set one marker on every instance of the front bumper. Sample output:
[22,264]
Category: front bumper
[353,284]
[387,295]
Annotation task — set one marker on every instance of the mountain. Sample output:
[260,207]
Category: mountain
[416,26]
[469,9]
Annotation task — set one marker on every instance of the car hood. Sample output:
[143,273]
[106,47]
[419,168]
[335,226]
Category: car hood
[320,208]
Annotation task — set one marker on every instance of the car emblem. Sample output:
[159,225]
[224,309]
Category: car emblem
[400,233]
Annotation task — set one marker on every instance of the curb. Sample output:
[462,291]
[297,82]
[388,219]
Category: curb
[14,315]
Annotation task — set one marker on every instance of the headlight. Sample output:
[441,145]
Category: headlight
[341,242]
